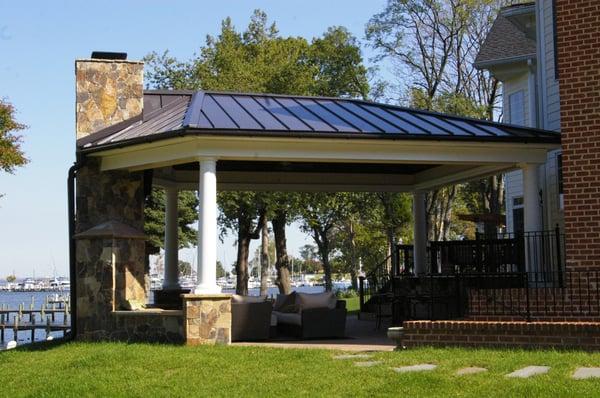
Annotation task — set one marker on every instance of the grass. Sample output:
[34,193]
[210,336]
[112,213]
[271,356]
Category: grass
[143,370]
[352,305]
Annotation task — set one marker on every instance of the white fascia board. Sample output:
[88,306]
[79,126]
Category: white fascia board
[188,149]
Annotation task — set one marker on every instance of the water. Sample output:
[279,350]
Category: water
[13,299]
[274,291]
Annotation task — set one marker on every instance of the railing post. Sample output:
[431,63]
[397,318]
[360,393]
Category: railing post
[361,293]
[528,310]
[558,256]
[431,309]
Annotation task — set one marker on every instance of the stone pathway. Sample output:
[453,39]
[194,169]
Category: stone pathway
[470,371]
[529,371]
[415,368]
[367,364]
[353,356]
[586,373]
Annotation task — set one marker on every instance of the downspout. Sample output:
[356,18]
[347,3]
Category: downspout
[80,161]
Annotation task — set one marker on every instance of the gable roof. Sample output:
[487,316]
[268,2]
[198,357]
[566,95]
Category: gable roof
[242,114]
[504,43]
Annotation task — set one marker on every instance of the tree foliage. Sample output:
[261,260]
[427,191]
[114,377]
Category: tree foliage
[154,222]
[11,153]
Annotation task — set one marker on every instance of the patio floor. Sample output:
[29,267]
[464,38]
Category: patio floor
[362,336]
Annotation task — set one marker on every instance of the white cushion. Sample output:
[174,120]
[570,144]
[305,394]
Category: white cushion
[316,300]
[236,298]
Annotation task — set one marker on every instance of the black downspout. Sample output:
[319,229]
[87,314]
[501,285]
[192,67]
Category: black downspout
[72,263]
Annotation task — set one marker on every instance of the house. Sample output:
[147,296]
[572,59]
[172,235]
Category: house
[520,52]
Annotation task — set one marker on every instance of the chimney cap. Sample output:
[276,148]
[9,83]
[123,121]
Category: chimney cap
[108,55]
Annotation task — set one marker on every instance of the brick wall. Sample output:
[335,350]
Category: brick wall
[578,45]
[564,335]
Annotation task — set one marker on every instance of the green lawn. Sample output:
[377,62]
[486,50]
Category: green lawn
[352,305]
[138,370]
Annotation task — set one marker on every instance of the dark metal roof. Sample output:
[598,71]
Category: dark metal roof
[178,113]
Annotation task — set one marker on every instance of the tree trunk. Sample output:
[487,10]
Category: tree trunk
[264,260]
[282,263]
[353,259]
[241,266]
[323,245]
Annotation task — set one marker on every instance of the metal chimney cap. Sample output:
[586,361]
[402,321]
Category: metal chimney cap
[108,55]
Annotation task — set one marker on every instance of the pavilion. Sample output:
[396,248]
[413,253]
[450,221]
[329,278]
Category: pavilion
[209,141]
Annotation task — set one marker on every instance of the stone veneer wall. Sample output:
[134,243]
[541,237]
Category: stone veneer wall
[110,272]
[148,326]
[207,318]
[107,92]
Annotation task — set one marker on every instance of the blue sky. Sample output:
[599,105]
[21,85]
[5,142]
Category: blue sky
[39,42]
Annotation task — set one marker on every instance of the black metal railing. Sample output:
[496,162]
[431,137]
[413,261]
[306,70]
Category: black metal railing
[529,296]
[375,282]
[573,294]
[541,251]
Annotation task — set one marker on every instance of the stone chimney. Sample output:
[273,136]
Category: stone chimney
[109,90]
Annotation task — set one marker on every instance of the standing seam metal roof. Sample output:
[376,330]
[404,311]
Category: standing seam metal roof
[263,114]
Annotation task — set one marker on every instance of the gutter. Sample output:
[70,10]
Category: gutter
[72,175]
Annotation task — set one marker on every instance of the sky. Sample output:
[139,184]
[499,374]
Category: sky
[39,42]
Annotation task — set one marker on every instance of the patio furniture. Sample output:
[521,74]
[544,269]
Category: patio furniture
[250,318]
[311,316]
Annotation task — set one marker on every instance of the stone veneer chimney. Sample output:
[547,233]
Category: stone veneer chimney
[109,90]
[578,45]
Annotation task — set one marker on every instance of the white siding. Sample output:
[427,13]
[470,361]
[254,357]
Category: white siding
[513,185]
[552,103]
[513,181]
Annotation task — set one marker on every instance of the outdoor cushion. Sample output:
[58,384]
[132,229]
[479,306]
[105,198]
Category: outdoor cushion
[283,300]
[238,299]
[288,318]
[316,300]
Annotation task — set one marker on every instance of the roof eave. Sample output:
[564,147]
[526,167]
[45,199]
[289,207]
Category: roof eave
[504,61]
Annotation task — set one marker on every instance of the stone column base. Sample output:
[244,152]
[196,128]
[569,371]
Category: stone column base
[207,318]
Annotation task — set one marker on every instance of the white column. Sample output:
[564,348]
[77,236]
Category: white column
[419,233]
[171,276]
[532,216]
[207,229]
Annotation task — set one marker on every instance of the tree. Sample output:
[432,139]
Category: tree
[11,154]
[11,278]
[319,215]
[239,213]
[221,273]
[154,219]
[433,44]
[185,268]
[260,60]
[264,259]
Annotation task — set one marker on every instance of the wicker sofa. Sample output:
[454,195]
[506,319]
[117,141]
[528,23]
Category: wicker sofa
[250,318]
[310,316]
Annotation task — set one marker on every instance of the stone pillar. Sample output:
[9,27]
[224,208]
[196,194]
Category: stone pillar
[419,233]
[207,318]
[114,197]
[207,229]
[108,91]
[171,275]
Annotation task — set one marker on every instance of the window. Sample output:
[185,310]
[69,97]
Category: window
[516,108]
[559,173]
[518,214]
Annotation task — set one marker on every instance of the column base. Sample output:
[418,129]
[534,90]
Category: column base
[207,289]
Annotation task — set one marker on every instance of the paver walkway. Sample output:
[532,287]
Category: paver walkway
[529,371]
[352,356]
[416,368]
[367,364]
[470,371]
[586,373]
